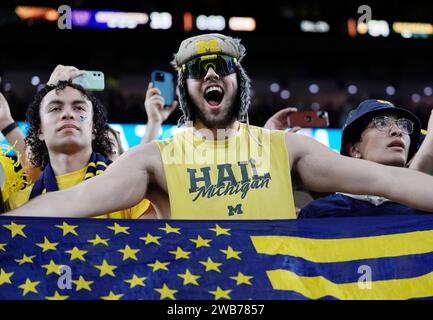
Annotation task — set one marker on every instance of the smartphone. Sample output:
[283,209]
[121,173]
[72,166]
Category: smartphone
[309,119]
[91,80]
[164,82]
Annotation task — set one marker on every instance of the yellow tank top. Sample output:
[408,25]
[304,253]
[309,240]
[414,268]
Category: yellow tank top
[246,176]
[69,180]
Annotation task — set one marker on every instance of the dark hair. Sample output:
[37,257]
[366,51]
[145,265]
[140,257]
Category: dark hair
[116,135]
[357,129]
[39,153]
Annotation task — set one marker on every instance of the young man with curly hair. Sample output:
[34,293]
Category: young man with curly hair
[68,138]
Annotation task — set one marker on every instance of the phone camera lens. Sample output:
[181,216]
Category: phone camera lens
[160,76]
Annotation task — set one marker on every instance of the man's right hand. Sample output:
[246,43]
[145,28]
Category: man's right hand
[5,113]
[281,120]
[154,104]
[64,73]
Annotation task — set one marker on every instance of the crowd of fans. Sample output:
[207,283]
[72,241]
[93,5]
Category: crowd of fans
[68,125]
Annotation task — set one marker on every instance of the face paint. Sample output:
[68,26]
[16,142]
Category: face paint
[84,119]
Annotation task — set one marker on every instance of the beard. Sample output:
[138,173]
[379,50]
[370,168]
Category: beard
[210,121]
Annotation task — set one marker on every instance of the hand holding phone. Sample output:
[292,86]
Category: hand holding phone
[309,119]
[91,80]
[163,81]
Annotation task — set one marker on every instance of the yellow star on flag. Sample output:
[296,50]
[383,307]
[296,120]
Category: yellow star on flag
[136,281]
[3,246]
[57,296]
[230,253]
[159,265]
[188,277]
[77,254]
[150,239]
[180,254]
[220,293]
[25,259]
[52,267]
[5,277]
[112,296]
[166,292]
[105,268]
[47,245]
[98,240]
[170,229]
[129,253]
[242,278]
[81,283]
[15,229]
[220,231]
[66,228]
[200,242]
[29,286]
[118,228]
[211,265]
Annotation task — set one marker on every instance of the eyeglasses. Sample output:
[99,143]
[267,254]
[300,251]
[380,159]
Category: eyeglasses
[385,123]
[198,67]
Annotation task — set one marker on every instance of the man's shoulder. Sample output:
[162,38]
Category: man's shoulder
[19,198]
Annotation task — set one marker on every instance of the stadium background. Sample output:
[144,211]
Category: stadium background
[311,55]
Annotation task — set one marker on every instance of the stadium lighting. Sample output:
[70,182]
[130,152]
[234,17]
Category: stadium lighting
[377,28]
[390,90]
[314,26]
[242,24]
[352,89]
[121,20]
[81,18]
[285,94]
[428,91]
[160,20]
[214,23]
[8,87]
[36,13]
[315,106]
[187,21]
[35,80]
[313,88]
[362,28]
[412,29]
[275,87]
[416,97]
[351,27]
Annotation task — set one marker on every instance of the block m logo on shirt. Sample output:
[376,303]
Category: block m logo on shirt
[235,210]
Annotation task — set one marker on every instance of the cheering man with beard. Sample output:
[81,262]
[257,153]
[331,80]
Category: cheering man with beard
[220,167]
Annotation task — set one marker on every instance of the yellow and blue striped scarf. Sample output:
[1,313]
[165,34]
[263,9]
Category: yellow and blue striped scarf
[47,180]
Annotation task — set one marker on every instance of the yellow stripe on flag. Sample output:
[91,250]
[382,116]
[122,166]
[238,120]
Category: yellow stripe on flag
[318,287]
[347,249]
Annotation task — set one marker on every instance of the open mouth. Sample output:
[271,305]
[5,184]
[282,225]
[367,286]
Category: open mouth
[396,144]
[214,95]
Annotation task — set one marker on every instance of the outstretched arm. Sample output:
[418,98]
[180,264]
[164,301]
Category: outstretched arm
[121,186]
[323,170]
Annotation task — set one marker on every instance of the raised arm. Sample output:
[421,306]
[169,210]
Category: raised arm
[15,136]
[121,186]
[323,170]
[423,159]
[156,113]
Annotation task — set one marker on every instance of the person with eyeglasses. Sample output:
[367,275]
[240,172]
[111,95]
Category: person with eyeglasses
[220,166]
[376,131]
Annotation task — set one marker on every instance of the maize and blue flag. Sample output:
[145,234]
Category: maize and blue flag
[335,258]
